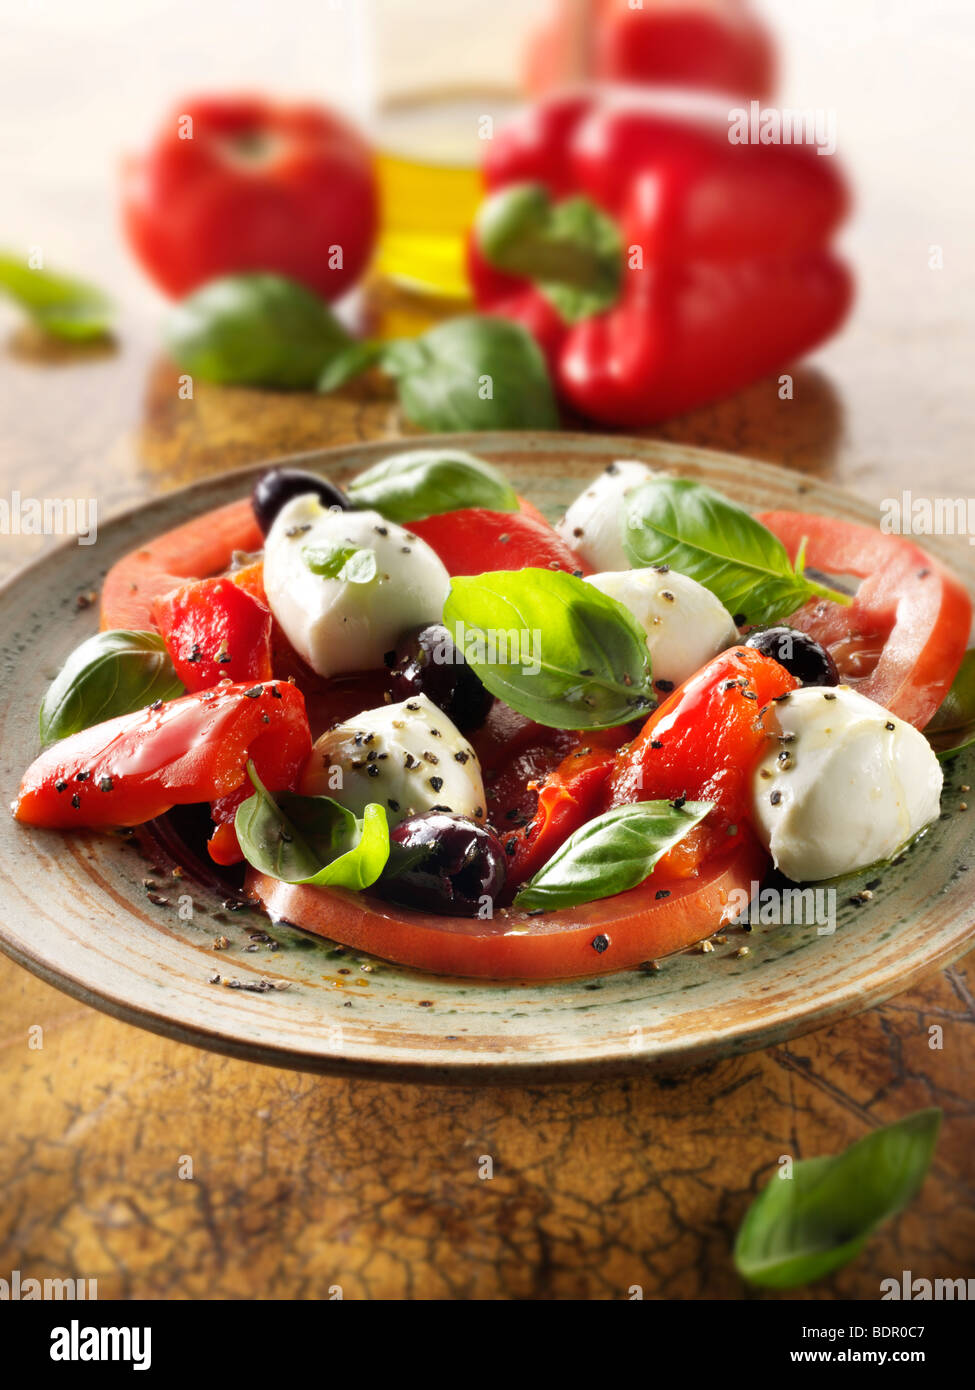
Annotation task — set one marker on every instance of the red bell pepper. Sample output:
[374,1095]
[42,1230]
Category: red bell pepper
[569,796]
[131,769]
[215,629]
[658,264]
[719,46]
[702,744]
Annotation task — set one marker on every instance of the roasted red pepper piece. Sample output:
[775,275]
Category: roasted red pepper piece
[568,797]
[702,744]
[131,769]
[215,629]
[726,271]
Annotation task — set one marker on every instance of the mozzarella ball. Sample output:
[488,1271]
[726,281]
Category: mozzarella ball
[335,623]
[408,757]
[593,524]
[843,785]
[684,622]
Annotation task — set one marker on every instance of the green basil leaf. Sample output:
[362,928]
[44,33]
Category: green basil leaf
[110,674]
[254,330]
[59,304]
[552,647]
[348,363]
[352,563]
[952,727]
[570,249]
[686,525]
[610,854]
[473,373]
[311,839]
[801,1228]
[427,482]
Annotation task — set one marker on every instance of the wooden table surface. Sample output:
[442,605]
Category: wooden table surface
[302,1183]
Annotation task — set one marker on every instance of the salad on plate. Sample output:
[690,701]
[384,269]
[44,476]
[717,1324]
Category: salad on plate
[412,716]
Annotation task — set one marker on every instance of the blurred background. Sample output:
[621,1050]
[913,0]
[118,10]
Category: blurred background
[81,86]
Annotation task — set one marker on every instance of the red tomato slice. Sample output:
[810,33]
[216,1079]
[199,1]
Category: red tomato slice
[613,934]
[131,769]
[902,639]
[214,630]
[701,744]
[196,550]
[475,541]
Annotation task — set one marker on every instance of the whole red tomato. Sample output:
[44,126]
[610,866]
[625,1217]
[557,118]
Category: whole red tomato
[235,184]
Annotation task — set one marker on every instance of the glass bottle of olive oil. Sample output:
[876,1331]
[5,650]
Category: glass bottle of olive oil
[447,75]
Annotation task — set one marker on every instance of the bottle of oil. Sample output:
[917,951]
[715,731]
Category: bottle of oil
[447,76]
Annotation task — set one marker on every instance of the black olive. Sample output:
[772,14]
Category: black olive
[427,662]
[799,653]
[442,863]
[278,485]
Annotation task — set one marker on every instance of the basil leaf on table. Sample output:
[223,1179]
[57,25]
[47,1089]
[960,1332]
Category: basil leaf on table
[476,372]
[801,1228]
[692,528]
[254,330]
[610,854]
[952,727]
[428,482]
[352,563]
[586,665]
[110,674]
[311,839]
[59,304]
[348,363]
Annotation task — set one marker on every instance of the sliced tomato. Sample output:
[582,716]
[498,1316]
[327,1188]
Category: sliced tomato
[475,540]
[132,769]
[215,630]
[702,744]
[902,639]
[655,919]
[196,550]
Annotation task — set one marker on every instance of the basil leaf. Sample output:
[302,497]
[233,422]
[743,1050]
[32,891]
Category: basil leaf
[801,1228]
[348,363]
[59,304]
[686,525]
[311,839]
[952,727]
[110,674]
[570,249]
[610,854]
[254,330]
[473,373]
[552,647]
[351,563]
[427,482]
